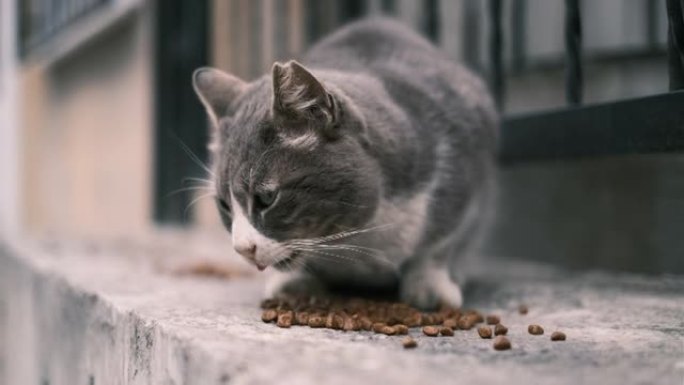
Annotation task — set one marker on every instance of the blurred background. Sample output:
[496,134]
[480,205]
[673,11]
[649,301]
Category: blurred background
[97,107]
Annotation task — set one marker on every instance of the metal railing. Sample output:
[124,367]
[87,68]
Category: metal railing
[675,40]
[653,124]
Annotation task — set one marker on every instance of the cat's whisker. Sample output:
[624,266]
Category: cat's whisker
[199,198]
[340,235]
[331,257]
[192,188]
[380,257]
[347,248]
[194,157]
[201,181]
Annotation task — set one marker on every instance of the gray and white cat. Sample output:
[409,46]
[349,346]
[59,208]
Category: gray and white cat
[368,166]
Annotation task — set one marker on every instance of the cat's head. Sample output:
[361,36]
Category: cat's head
[289,162]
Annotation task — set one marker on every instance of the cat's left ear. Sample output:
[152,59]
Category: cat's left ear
[217,90]
[297,94]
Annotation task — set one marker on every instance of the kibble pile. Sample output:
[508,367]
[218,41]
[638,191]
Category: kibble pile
[389,318]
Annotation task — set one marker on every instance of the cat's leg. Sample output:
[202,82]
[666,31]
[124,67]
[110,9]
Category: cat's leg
[426,279]
[292,283]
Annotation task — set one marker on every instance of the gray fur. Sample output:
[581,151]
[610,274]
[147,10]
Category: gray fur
[377,129]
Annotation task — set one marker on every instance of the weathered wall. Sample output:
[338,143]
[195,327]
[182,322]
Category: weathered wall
[623,213]
[87,123]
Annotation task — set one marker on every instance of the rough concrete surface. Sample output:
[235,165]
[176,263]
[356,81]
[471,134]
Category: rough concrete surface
[115,313]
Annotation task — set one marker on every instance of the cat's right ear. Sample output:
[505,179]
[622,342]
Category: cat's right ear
[217,90]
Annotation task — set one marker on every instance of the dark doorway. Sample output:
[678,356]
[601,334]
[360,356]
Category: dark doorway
[180,123]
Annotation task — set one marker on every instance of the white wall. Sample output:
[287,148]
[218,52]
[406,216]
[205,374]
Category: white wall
[9,127]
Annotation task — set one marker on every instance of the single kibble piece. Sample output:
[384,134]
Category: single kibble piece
[535,330]
[500,330]
[348,324]
[329,320]
[446,332]
[409,343]
[557,336]
[366,323]
[522,309]
[377,327]
[388,330]
[450,323]
[401,329]
[502,343]
[475,317]
[413,320]
[302,318]
[484,331]
[269,315]
[431,331]
[427,319]
[465,323]
[316,321]
[284,319]
[334,321]
[493,319]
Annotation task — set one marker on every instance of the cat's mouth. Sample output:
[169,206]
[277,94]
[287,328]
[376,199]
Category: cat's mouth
[289,263]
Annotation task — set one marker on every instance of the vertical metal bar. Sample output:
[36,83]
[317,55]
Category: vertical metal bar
[431,19]
[281,18]
[519,34]
[471,34]
[350,10]
[573,52]
[675,43]
[321,18]
[255,38]
[652,23]
[495,52]
[389,6]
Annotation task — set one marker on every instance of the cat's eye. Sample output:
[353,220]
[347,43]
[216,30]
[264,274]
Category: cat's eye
[265,199]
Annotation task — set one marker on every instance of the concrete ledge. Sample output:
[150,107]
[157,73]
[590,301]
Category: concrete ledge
[112,314]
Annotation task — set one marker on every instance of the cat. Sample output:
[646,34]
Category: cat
[368,165]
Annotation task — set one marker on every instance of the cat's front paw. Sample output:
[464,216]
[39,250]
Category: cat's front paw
[430,288]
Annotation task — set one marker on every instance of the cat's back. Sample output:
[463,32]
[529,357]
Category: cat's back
[404,62]
[368,43]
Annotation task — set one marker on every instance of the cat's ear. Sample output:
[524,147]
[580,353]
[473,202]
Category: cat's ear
[298,94]
[217,90]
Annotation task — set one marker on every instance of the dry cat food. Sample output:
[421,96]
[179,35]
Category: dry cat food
[409,343]
[387,318]
[269,315]
[500,330]
[284,319]
[484,332]
[450,323]
[557,336]
[316,321]
[465,323]
[431,331]
[302,318]
[502,343]
[401,329]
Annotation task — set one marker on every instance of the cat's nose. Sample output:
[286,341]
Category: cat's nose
[247,250]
